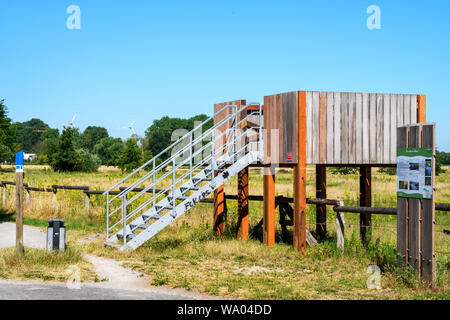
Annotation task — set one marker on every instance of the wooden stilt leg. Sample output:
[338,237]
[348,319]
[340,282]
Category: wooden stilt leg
[243,205]
[321,193]
[269,208]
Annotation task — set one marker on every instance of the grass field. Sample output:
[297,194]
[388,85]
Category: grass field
[188,255]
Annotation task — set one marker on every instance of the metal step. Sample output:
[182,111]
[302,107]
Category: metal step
[198,180]
[170,198]
[129,236]
[186,189]
[139,226]
[162,208]
[153,217]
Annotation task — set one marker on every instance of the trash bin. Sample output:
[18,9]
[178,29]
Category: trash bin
[56,235]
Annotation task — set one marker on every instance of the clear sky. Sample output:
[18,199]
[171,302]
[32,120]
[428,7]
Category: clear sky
[146,59]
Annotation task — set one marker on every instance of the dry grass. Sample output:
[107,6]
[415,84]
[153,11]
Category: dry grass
[188,255]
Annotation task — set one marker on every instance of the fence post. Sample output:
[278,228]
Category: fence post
[54,200]
[4,196]
[340,228]
[87,202]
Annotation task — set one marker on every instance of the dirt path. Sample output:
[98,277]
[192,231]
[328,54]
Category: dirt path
[32,236]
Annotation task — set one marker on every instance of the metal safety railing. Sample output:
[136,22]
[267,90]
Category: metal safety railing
[223,143]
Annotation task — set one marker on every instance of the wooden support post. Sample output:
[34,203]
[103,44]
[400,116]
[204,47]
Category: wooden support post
[321,193]
[54,200]
[4,196]
[402,209]
[219,211]
[243,204]
[269,207]
[365,200]
[428,215]
[340,230]
[19,213]
[87,204]
[421,109]
[299,229]
[28,196]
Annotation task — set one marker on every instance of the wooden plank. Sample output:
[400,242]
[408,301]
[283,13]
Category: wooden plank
[386,129]
[293,98]
[400,120]
[243,205]
[413,106]
[269,207]
[316,127]
[380,129]
[421,108]
[337,127]
[402,209]
[428,212]
[352,128]
[309,127]
[406,109]
[365,190]
[365,129]
[414,208]
[393,130]
[344,128]
[330,127]
[280,125]
[373,128]
[358,128]
[321,193]
[299,228]
[323,127]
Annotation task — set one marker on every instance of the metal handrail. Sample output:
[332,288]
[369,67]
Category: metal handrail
[230,130]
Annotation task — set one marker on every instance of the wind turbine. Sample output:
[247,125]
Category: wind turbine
[131,127]
[71,123]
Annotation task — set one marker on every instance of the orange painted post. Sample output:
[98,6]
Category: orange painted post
[269,207]
[421,108]
[219,211]
[300,178]
[243,205]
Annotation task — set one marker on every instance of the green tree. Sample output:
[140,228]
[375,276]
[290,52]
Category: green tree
[91,136]
[159,134]
[109,150]
[8,145]
[62,156]
[131,157]
[86,161]
[30,134]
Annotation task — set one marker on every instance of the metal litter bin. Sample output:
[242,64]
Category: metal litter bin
[56,235]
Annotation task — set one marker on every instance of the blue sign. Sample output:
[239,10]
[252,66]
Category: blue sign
[19,161]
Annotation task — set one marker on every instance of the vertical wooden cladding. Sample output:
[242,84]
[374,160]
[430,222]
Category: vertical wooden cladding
[342,127]
[280,114]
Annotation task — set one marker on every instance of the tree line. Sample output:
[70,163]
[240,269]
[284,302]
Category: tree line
[73,150]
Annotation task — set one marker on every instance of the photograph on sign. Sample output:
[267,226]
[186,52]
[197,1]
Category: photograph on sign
[414,172]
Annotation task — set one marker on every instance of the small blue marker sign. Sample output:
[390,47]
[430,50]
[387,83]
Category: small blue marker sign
[19,161]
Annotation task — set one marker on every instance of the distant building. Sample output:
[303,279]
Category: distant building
[28,156]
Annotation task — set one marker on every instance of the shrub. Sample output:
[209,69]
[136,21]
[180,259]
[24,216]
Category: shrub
[86,161]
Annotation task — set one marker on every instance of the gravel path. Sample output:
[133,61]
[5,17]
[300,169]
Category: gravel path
[32,236]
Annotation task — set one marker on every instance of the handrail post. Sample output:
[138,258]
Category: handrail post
[173,184]
[260,133]
[190,155]
[235,131]
[153,193]
[124,219]
[107,215]
[213,142]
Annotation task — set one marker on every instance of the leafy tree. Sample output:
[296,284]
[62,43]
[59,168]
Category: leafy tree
[344,170]
[30,133]
[86,161]
[109,150]
[159,134]
[63,156]
[131,157]
[8,145]
[91,136]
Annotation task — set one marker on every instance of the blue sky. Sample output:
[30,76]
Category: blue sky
[146,59]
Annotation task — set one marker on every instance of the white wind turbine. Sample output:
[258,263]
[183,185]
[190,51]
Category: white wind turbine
[71,123]
[131,127]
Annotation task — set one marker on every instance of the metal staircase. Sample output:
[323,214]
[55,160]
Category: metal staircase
[175,180]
